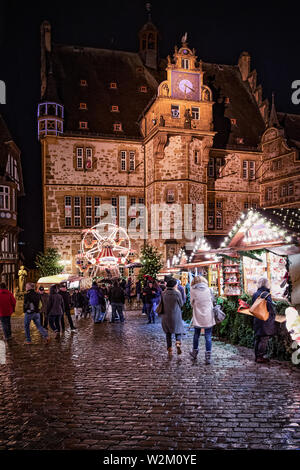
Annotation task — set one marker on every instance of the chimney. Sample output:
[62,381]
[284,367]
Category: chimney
[244,65]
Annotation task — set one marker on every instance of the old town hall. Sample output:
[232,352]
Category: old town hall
[130,129]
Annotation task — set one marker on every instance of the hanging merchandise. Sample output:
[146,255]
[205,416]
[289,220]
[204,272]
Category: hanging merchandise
[232,277]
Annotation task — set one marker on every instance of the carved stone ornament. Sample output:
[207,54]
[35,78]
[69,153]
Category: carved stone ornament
[160,142]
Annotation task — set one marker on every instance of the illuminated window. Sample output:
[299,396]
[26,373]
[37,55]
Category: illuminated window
[131,161]
[195,113]
[88,158]
[79,158]
[83,106]
[233,121]
[123,160]
[240,140]
[143,89]
[114,109]
[77,211]
[83,83]
[175,111]
[68,211]
[113,85]
[5,197]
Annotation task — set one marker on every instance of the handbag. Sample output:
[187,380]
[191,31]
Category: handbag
[160,308]
[259,308]
[218,314]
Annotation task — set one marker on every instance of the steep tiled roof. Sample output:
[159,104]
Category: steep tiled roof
[100,67]
[226,82]
[291,126]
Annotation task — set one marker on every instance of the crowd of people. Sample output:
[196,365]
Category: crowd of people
[165,297]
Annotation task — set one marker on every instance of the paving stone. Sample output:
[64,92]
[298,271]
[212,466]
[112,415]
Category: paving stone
[108,388]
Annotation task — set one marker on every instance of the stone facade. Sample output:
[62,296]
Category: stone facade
[185,143]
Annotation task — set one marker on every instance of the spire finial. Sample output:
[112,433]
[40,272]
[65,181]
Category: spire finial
[273,119]
[148,8]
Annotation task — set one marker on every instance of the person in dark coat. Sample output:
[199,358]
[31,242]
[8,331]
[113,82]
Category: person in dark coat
[171,322]
[117,300]
[97,302]
[150,295]
[77,302]
[7,308]
[44,297]
[67,306]
[32,313]
[263,329]
[55,310]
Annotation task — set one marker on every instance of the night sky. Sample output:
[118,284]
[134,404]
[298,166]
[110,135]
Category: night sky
[218,31]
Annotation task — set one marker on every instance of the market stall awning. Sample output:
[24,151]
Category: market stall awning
[285,250]
[56,279]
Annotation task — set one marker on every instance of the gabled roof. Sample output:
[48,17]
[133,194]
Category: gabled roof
[100,67]
[225,81]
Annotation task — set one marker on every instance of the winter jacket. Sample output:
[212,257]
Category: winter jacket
[265,328]
[172,318]
[55,305]
[150,295]
[7,303]
[116,295]
[181,290]
[44,298]
[95,296]
[202,302]
[77,300]
[31,302]
[67,300]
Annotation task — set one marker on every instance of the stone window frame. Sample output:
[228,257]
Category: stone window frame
[83,125]
[290,188]
[114,108]
[117,127]
[248,173]
[195,113]
[83,105]
[215,214]
[269,193]
[113,86]
[68,214]
[77,211]
[167,192]
[124,157]
[85,157]
[143,89]
[88,208]
[5,197]
[175,107]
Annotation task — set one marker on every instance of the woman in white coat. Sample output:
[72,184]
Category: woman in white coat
[202,301]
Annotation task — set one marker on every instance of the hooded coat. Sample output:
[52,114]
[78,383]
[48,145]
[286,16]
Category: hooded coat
[172,318]
[202,302]
[7,303]
[265,328]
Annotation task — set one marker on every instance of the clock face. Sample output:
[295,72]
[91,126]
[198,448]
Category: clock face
[185,85]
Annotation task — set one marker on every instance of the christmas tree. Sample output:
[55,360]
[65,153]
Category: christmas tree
[48,263]
[151,261]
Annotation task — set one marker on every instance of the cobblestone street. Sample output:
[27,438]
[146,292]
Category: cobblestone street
[112,386]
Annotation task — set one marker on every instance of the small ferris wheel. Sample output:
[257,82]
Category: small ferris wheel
[104,245]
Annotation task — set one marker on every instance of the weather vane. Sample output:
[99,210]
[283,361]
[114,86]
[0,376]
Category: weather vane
[148,8]
[184,39]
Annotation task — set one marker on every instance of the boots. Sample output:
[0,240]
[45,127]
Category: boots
[194,353]
[178,346]
[170,352]
[208,357]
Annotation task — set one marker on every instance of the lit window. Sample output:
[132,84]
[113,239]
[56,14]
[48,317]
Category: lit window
[131,161]
[185,63]
[5,197]
[233,121]
[83,106]
[240,140]
[227,100]
[83,83]
[117,126]
[97,205]
[83,124]
[113,85]
[68,211]
[195,113]
[123,160]
[88,158]
[143,89]
[114,109]
[79,158]
[175,111]
[77,211]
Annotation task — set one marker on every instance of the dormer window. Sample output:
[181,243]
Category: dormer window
[185,63]
[83,82]
[227,100]
[114,109]
[83,125]
[113,85]
[118,126]
[82,106]
[233,121]
[143,89]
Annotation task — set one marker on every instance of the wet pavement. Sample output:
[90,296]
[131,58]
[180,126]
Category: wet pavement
[112,386]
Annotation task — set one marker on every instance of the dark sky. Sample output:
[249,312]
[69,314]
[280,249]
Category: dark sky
[219,31]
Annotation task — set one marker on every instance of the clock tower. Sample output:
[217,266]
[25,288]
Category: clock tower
[178,134]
